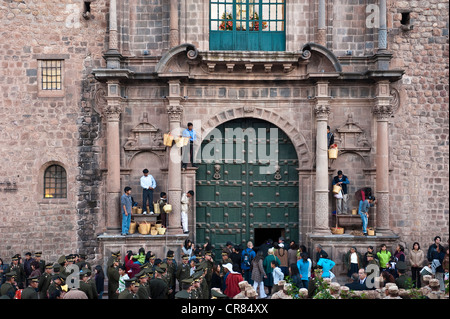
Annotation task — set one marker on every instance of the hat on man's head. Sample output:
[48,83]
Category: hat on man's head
[38,254]
[10,275]
[188,280]
[33,279]
[159,270]
[182,294]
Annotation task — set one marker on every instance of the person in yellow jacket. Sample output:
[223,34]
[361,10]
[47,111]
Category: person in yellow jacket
[384,256]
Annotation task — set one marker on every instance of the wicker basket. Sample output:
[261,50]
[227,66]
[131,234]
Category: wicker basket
[144,228]
[153,231]
[354,211]
[134,210]
[132,229]
[139,210]
[156,208]
[167,208]
[337,230]
[370,231]
[161,231]
[168,139]
[336,189]
[333,153]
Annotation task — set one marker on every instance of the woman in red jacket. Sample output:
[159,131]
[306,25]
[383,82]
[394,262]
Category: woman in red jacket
[232,281]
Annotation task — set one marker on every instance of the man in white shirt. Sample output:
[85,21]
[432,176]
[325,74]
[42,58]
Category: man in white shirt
[184,210]
[148,184]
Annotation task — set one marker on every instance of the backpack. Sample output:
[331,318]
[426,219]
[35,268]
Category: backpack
[246,259]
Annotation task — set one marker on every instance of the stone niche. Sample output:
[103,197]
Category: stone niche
[144,148]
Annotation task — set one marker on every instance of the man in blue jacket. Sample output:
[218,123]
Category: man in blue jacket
[363,211]
[246,261]
[341,203]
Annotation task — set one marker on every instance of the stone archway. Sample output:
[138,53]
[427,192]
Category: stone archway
[236,199]
[298,140]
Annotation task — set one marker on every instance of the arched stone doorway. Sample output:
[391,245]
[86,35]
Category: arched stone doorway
[241,193]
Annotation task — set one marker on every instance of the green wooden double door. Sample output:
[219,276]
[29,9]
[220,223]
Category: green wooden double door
[242,195]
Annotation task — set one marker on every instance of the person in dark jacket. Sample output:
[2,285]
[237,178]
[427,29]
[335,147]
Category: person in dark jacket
[437,258]
[433,247]
[320,253]
[341,203]
[355,284]
[99,280]
[158,287]
[330,137]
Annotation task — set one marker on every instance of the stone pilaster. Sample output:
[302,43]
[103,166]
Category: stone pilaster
[382,111]
[382,31]
[321,36]
[321,110]
[175,113]
[112,112]
[174,36]
[113,56]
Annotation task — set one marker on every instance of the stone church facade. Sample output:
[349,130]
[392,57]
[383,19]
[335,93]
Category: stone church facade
[89,88]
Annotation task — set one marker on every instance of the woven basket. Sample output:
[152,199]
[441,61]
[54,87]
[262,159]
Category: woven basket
[134,210]
[156,208]
[139,210]
[153,231]
[336,189]
[132,229]
[337,230]
[161,231]
[167,208]
[333,153]
[144,228]
[168,139]
[370,231]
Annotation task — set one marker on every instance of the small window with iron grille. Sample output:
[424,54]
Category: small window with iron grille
[55,182]
[51,75]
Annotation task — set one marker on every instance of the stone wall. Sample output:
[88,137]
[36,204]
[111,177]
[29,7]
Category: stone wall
[69,130]
[420,127]
[39,131]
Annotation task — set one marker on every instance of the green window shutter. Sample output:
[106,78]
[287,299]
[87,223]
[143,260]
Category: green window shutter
[247,25]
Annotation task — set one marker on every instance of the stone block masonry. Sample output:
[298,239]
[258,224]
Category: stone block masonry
[420,128]
[38,132]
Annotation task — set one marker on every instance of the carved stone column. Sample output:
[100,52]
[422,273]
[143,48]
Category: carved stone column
[112,112]
[175,112]
[321,25]
[322,110]
[382,31]
[382,110]
[113,56]
[174,35]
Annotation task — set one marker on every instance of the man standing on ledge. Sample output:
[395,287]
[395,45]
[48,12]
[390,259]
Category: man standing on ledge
[184,210]
[341,203]
[126,203]
[148,184]
[189,132]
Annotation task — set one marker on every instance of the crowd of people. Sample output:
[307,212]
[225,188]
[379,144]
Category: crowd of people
[273,270]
